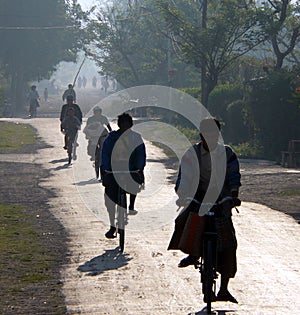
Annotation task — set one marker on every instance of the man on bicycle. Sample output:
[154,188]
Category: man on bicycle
[69,91]
[200,157]
[123,151]
[64,110]
[95,125]
[70,124]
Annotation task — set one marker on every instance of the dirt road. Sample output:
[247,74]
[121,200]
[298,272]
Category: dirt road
[145,279]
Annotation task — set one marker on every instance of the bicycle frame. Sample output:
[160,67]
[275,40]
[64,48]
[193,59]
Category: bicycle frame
[208,264]
[121,213]
[71,146]
[208,274]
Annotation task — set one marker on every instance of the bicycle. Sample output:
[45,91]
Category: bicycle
[71,139]
[215,220]
[121,211]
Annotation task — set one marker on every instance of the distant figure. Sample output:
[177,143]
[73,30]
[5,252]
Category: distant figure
[33,97]
[69,91]
[94,81]
[45,94]
[79,82]
[105,84]
[84,81]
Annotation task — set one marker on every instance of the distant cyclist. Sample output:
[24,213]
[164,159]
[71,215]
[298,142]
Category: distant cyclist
[64,110]
[69,91]
[70,124]
[95,126]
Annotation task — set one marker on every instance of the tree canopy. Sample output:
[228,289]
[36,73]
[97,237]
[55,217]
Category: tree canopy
[35,36]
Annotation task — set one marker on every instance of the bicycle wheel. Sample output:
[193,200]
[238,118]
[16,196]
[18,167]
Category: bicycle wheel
[122,217]
[69,148]
[208,275]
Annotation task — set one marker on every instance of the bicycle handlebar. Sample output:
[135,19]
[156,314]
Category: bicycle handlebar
[235,202]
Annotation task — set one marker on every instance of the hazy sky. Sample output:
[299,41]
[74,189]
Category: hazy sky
[87,4]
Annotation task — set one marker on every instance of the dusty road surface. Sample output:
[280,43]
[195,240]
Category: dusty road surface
[145,279]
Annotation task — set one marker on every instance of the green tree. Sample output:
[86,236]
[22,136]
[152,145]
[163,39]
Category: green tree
[128,46]
[274,111]
[35,36]
[280,22]
[211,35]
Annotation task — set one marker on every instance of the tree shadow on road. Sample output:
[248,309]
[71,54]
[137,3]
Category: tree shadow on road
[109,260]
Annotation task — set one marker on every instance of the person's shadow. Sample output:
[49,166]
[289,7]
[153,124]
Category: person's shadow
[59,161]
[213,312]
[109,260]
[91,181]
[60,167]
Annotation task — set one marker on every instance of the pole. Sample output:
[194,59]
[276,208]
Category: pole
[79,71]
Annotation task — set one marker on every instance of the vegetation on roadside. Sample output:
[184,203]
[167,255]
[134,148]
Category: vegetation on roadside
[25,262]
[15,136]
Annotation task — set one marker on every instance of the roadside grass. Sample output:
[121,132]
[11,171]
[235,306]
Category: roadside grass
[15,136]
[289,193]
[24,261]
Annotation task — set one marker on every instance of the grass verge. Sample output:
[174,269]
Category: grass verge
[15,136]
[25,264]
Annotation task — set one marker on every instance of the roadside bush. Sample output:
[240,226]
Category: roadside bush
[248,150]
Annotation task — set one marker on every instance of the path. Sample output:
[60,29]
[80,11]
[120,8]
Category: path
[145,280]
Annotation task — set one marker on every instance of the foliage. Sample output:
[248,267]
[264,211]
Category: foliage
[211,38]
[226,103]
[248,150]
[128,45]
[35,36]
[274,112]
[193,91]
[131,44]
[279,22]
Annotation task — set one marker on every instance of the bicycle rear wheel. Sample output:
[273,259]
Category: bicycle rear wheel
[208,282]
[122,217]
[69,149]
[121,239]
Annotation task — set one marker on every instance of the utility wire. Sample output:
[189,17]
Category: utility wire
[33,27]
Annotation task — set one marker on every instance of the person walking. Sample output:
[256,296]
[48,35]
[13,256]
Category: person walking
[33,97]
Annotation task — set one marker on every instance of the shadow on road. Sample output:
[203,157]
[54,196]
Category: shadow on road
[214,312]
[87,182]
[59,161]
[109,260]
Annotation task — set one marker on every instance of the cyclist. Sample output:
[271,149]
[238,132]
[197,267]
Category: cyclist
[209,145]
[70,91]
[123,150]
[33,98]
[95,126]
[70,124]
[64,109]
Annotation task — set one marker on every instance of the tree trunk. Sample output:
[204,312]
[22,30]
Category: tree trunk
[204,92]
